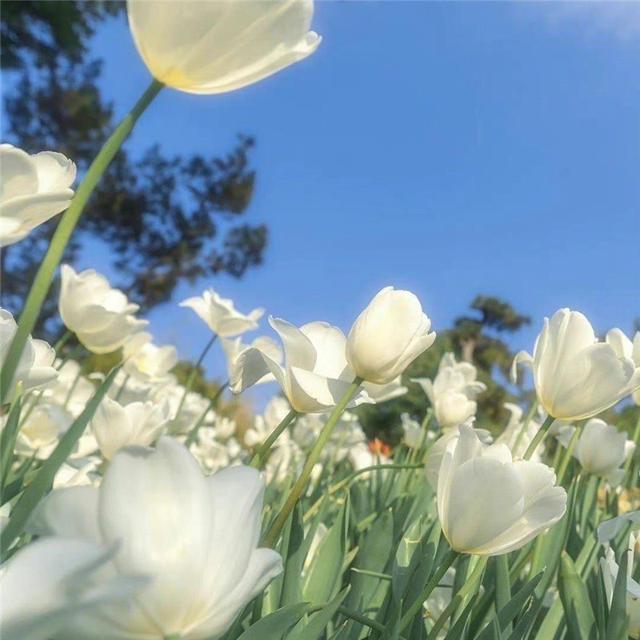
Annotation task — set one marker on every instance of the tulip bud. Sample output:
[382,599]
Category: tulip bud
[215,46]
[490,505]
[388,336]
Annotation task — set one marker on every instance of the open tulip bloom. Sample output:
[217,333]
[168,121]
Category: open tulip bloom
[489,504]
[577,376]
[194,538]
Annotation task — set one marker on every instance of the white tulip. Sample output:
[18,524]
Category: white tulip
[83,473]
[453,392]
[388,336]
[195,537]
[490,505]
[70,389]
[361,457]
[610,569]
[315,375]
[575,375]
[220,315]
[629,349]
[146,361]
[100,316]
[516,437]
[35,367]
[601,449]
[41,430]
[116,426]
[234,348]
[46,584]
[413,434]
[33,189]
[609,529]
[384,392]
[215,46]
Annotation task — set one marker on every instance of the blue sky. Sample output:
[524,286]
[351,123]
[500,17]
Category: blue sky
[447,148]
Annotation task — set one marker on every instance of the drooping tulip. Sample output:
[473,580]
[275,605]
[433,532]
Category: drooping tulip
[221,316]
[388,336]
[490,505]
[33,189]
[101,316]
[35,367]
[315,375]
[576,376]
[195,537]
[234,348]
[453,391]
[215,46]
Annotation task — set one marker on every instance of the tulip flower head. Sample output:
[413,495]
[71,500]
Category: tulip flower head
[315,375]
[575,375]
[453,392]
[194,537]
[490,505]
[35,367]
[220,315]
[146,361]
[215,46]
[388,336]
[33,189]
[234,348]
[101,316]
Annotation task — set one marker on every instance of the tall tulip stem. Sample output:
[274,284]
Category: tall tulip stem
[301,483]
[261,454]
[66,226]
[539,437]
[447,561]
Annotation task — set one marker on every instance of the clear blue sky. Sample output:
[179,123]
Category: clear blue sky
[451,149]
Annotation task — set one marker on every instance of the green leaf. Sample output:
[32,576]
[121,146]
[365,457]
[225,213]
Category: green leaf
[575,600]
[617,624]
[44,479]
[8,441]
[277,624]
[325,572]
[294,560]
[312,628]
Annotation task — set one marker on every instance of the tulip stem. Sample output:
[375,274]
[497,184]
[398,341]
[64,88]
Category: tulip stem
[564,465]
[260,456]
[503,586]
[298,488]
[634,454]
[447,561]
[44,277]
[538,438]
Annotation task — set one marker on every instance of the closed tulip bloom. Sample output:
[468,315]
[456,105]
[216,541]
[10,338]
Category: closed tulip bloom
[490,505]
[35,367]
[101,317]
[601,449]
[575,375]
[221,316]
[629,349]
[315,374]
[388,336]
[146,361]
[49,582]
[215,46]
[195,537]
[138,423]
[453,392]
[33,189]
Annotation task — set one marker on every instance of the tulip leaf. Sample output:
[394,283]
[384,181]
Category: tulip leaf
[312,628]
[276,625]
[575,600]
[617,623]
[325,572]
[8,442]
[44,479]
[293,560]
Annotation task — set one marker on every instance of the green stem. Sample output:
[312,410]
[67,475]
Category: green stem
[363,620]
[66,336]
[193,434]
[538,438]
[566,459]
[503,586]
[447,561]
[260,456]
[469,588]
[66,226]
[301,483]
[192,374]
[634,455]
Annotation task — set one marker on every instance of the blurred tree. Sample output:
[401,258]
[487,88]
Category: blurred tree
[473,338]
[165,219]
